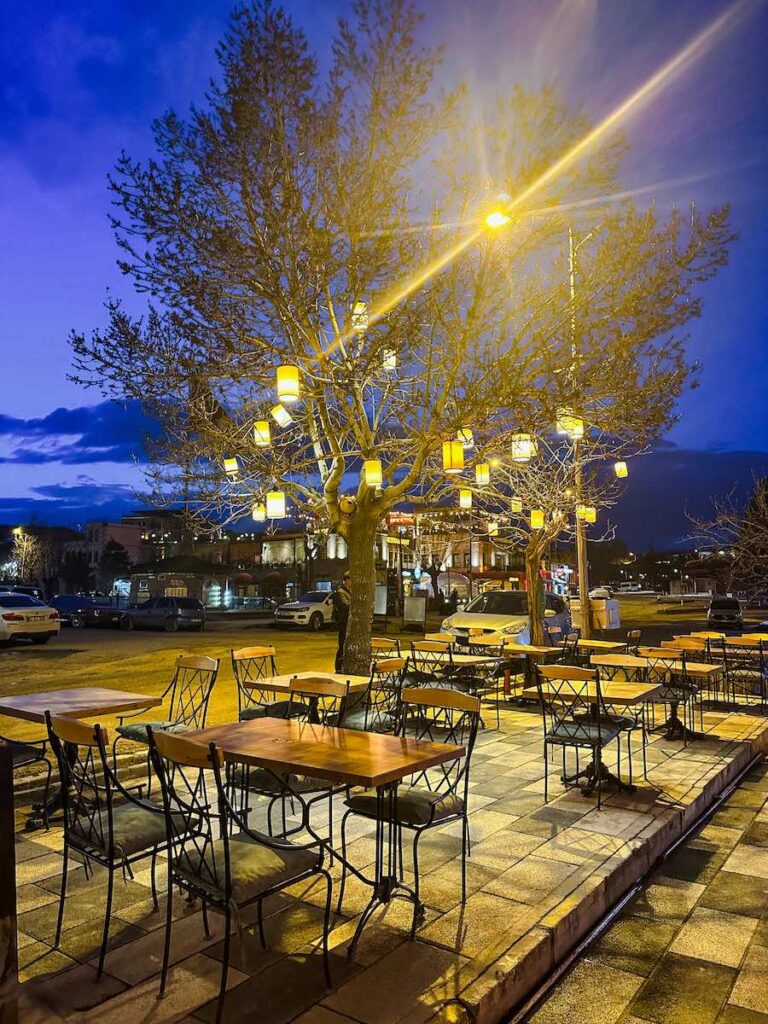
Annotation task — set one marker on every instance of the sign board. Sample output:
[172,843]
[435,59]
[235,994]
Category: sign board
[415,610]
[380,599]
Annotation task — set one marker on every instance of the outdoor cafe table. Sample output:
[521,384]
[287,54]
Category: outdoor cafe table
[601,645]
[281,684]
[346,757]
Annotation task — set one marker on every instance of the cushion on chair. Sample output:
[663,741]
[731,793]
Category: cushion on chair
[270,709]
[415,806]
[24,753]
[254,867]
[377,722]
[582,732]
[135,828]
[262,781]
[137,731]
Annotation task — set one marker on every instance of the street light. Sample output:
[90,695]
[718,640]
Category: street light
[497,219]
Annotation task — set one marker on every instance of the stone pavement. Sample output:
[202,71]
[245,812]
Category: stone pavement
[538,878]
[692,948]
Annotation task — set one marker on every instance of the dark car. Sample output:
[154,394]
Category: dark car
[725,611]
[77,611]
[168,613]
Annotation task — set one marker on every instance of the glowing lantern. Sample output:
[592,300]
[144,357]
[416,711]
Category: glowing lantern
[590,514]
[288,383]
[372,472]
[497,219]
[465,498]
[276,505]
[466,437]
[259,512]
[360,317]
[482,474]
[569,424]
[453,456]
[522,447]
[261,434]
[231,467]
[390,359]
[493,529]
[516,504]
[620,469]
[281,416]
[537,519]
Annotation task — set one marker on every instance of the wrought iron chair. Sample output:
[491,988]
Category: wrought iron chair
[217,856]
[104,823]
[574,715]
[434,797]
[628,720]
[668,668]
[744,669]
[377,710]
[633,640]
[382,646]
[32,752]
[430,663]
[485,680]
[249,665]
[570,647]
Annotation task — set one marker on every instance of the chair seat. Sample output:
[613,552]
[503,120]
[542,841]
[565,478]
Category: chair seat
[377,722]
[268,709]
[254,867]
[415,806]
[135,827]
[25,753]
[262,781]
[582,732]
[624,722]
[137,731]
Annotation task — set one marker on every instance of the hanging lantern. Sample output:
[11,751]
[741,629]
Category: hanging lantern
[372,472]
[259,512]
[261,434]
[276,505]
[482,474]
[453,456]
[390,359]
[620,469]
[569,424]
[516,504]
[590,514]
[465,498]
[466,437]
[231,467]
[522,447]
[537,519]
[493,529]
[360,317]
[281,416]
[288,383]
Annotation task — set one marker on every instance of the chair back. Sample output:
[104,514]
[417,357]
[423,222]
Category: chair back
[633,640]
[665,666]
[744,666]
[570,648]
[383,696]
[430,658]
[382,645]
[442,716]
[191,690]
[317,699]
[571,702]
[249,664]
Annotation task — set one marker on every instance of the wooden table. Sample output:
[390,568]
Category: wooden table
[345,756]
[281,684]
[601,645]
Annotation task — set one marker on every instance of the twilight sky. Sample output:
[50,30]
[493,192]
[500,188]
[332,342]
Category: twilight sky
[79,81]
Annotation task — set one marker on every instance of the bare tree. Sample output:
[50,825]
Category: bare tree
[738,533]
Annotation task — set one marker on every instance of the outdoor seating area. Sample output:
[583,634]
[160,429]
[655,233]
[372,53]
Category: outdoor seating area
[463,806]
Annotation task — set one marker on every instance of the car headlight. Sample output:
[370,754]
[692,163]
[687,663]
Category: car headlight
[446,623]
[513,629]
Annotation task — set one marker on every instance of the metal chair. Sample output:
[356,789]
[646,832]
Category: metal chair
[435,797]
[482,680]
[384,647]
[377,710]
[628,720]
[217,856]
[668,668]
[32,752]
[249,664]
[570,647]
[633,640]
[103,822]
[574,715]
[431,662]
[744,668]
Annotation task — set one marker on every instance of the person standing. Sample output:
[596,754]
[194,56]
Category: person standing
[341,599]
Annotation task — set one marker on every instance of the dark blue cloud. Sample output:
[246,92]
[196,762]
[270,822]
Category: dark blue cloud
[70,504]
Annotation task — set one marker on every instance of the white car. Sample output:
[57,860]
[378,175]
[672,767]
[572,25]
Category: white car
[25,618]
[505,612]
[313,609]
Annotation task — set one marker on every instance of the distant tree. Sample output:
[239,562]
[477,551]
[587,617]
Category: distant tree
[75,571]
[27,555]
[740,532]
[115,562]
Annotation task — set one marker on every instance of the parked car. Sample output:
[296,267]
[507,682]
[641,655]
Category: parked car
[601,594]
[78,611]
[25,618]
[313,609]
[168,613]
[725,611]
[37,592]
[505,611]
[259,604]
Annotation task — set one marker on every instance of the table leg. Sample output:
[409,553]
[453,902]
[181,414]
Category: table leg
[676,729]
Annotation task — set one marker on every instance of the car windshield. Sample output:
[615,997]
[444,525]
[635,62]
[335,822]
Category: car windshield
[19,601]
[313,596]
[500,602]
[726,605]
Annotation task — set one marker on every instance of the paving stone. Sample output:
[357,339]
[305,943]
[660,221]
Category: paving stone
[633,944]
[734,817]
[744,797]
[751,988]
[736,894]
[77,989]
[756,834]
[748,860]
[531,880]
[683,991]
[738,1015]
[321,1015]
[37,959]
[477,924]
[616,989]
[667,900]
[715,936]
[695,861]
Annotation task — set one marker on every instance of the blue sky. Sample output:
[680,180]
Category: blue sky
[81,81]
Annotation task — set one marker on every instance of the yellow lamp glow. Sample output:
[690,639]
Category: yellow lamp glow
[466,437]
[465,498]
[493,529]
[453,456]
[482,474]
[569,424]
[261,434]
[281,416]
[231,467]
[620,469]
[537,519]
[259,512]
[372,472]
[360,317]
[288,383]
[522,447]
[497,219]
[590,514]
[516,504]
[276,505]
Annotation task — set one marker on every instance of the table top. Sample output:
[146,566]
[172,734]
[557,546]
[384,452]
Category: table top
[601,645]
[532,649]
[473,659]
[693,668]
[80,702]
[277,683]
[617,692]
[339,755]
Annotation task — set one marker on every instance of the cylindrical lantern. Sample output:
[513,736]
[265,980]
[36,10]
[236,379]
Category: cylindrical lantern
[276,505]
[231,467]
[288,383]
[482,474]
[569,424]
[493,529]
[453,456]
[590,514]
[281,416]
[261,434]
[466,437]
[360,317]
[259,512]
[522,447]
[537,519]
[465,498]
[581,512]
[620,469]
[516,504]
[372,472]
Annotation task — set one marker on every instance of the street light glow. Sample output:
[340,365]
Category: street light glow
[497,219]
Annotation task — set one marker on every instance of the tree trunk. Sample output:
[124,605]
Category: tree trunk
[535,594]
[361,540]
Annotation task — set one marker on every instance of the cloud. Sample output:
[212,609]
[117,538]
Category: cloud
[71,504]
[106,432]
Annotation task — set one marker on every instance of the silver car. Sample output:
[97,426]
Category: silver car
[505,612]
